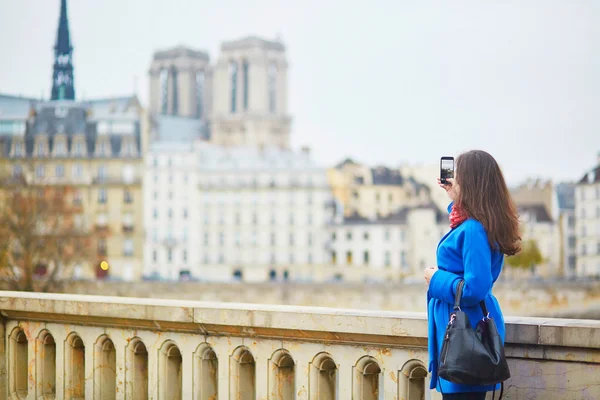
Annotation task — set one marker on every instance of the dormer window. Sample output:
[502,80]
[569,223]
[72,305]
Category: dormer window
[78,149]
[18,151]
[59,149]
[41,149]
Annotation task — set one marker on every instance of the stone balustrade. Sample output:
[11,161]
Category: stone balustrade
[60,346]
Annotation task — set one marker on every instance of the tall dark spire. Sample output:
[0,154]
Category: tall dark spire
[63,86]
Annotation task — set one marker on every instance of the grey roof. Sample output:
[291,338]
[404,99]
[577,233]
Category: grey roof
[538,210]
[252,41]
[565,193]
[345,162]
[180,51]
[386,176]
[169,128]
[15,107]
[113,107]
[592,176]
[68,117]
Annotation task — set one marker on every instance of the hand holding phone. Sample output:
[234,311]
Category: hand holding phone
[446,169]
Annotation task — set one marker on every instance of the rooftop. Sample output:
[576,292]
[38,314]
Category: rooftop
[538,211]
[180,51]
[252,41]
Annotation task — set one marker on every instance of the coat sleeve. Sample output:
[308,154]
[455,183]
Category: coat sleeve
[477,264]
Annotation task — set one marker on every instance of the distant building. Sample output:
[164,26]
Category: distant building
[180,83]
[374,192]
[587,215]
[565,194]
[404,241]
[94,146]
[538,225]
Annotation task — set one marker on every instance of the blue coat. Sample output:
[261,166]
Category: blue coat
[463,253]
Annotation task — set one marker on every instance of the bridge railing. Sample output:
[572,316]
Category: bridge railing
[74,346]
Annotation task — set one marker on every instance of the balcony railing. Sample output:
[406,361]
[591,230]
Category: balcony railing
[73,346]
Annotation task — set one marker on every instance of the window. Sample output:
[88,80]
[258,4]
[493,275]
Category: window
[309,258]
[77,170]
[78,149]
[59,149]
[272,219]
[102,197]
[571,221]
[272,86]
[386,235]
[169,256]
[155,213]
[185,213]
[155,195]
[155,178]
[206,238]
[254,219]
[128,247]
[39,171]
[366,258]
[273,239]
[583,231]
[154,256]
[40,149]
[128,173]
[233,72]
[377,197]
[292,260]
[348,235]
[333,236]
[221,259]
[200,94]
[245,72]
[184,255]
[309,219]
[170,195]
[598,193]
[101,172]
[127,196]
[333,257]
[221,238]
[583,250]
[403,259]
[387,259]
[185,178]
[310,239]
[349,257]
[164,91]
[291,219]
[60,171]
[571,242]
[170,178]
[102,248]
[366,235]
[583,213]
[390,198]
[17,171]
[18,149]
[291,239]
[237,218]
[170,213]
[175,94]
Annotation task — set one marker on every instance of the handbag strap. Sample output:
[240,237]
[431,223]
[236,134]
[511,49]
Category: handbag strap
[458,296]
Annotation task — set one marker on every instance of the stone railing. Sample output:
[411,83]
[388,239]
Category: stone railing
[59,346]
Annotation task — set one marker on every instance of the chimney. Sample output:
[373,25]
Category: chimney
[306,150]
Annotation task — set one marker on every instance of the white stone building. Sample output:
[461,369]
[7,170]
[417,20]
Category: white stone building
[587,214]
[565,195]
[538,225]
[404,242]
[261,212]
[171,198]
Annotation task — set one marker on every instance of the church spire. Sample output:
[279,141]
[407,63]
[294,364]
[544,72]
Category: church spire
[63,86]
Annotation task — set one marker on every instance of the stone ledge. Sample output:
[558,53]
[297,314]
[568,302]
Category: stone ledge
[273,321]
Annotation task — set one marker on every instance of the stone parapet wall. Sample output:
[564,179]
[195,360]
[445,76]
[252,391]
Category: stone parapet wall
[71,346]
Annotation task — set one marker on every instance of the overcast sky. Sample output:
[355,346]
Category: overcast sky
[384,82]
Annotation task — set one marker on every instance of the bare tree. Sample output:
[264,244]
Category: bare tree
[42,234]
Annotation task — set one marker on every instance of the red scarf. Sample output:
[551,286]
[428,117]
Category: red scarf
[457,216]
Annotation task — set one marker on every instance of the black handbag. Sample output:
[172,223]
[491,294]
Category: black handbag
[472,356]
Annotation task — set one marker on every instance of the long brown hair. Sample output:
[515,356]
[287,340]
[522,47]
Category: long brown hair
[484,196]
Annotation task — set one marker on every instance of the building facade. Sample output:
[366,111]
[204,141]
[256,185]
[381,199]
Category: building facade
[218,213]
[537,225]
[250,94]
[565,194]
[180,83]
[374,192]
[587,216]
[404,242]
[95,148]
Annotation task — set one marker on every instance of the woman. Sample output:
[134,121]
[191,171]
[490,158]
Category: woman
[484,227]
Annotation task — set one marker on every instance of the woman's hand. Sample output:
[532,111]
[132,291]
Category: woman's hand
[451,188]
[429,271]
